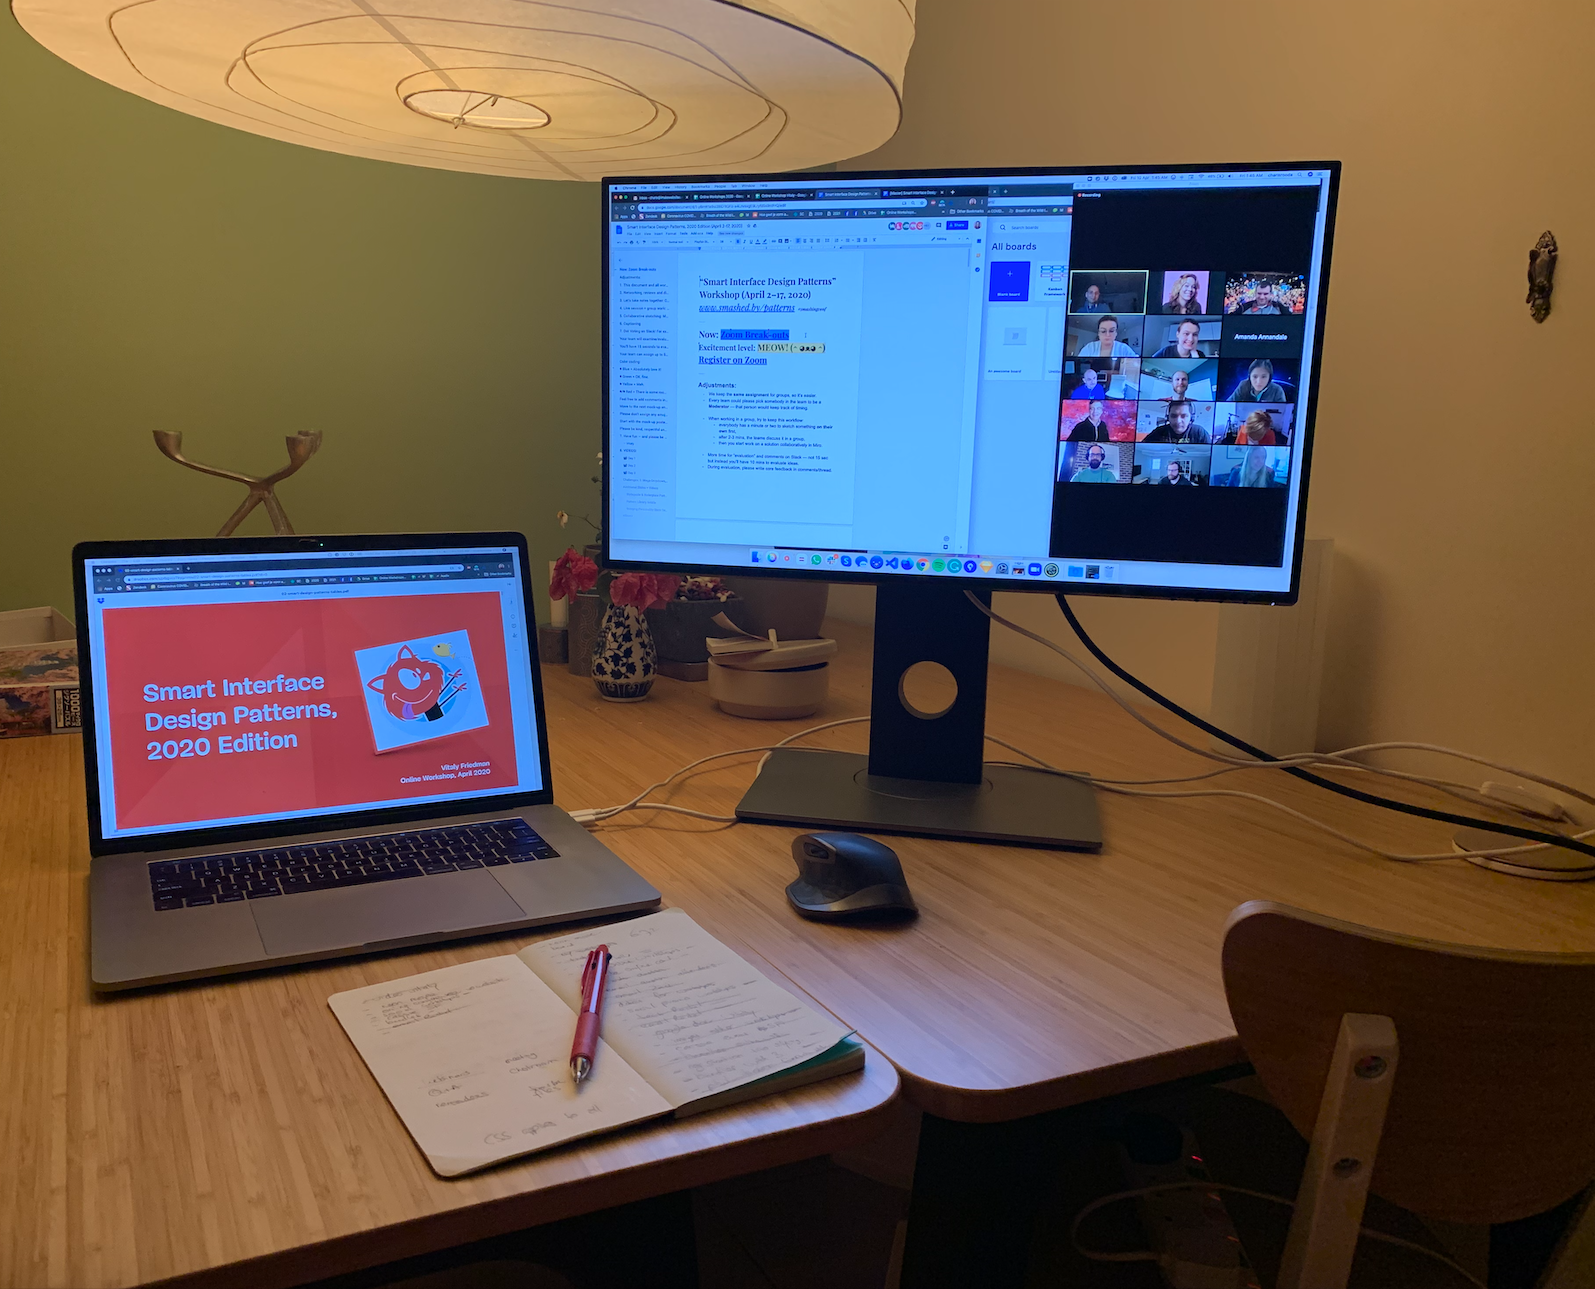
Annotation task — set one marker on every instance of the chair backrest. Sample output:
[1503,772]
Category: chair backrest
[1492,1112]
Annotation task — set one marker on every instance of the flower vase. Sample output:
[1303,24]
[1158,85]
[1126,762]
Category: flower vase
[623,658]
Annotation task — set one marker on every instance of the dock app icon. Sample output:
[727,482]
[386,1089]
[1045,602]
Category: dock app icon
[419,690]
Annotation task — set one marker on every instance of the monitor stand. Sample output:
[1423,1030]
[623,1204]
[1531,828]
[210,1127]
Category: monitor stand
[925,773]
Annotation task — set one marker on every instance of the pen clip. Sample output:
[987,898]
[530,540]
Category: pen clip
[587,973]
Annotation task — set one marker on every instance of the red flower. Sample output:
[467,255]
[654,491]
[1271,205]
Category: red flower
[572,572]
[643,590]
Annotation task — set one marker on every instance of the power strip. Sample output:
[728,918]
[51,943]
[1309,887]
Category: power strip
[1190,1229]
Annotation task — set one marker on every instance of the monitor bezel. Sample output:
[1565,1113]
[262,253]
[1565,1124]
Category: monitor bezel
[190,838]
[872,577]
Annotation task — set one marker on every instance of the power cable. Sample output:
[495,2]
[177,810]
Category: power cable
[1356,794]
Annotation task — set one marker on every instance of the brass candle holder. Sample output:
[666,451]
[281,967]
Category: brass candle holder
[301,447]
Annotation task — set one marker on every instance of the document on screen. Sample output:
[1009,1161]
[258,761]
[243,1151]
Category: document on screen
[767,399]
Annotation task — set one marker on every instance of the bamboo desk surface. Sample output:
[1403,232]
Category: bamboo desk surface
[1032,979]
[183,1131]
[229,1134]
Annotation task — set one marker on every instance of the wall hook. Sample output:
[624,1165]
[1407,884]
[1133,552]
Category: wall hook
[1542,268]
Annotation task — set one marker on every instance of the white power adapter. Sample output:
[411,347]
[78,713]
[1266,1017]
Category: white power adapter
[1527,802]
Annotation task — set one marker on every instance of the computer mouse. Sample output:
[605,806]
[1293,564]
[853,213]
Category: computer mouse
[843,875]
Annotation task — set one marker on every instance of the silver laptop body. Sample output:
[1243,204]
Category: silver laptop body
[140,939]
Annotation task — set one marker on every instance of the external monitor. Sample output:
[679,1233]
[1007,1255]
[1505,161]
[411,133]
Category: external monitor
[1097,382]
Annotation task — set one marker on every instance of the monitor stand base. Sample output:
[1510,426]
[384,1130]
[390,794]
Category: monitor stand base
[820,789]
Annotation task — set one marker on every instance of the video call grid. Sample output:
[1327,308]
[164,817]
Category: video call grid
[1181,377]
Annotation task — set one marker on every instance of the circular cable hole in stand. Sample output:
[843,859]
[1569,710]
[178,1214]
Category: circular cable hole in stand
[928,690]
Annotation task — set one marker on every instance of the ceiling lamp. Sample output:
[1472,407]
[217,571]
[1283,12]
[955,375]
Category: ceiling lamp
[512,87]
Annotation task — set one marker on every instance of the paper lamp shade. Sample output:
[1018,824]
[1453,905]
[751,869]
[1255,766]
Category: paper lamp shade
[575,90]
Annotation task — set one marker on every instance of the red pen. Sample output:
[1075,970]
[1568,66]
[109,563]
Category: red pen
[595,976]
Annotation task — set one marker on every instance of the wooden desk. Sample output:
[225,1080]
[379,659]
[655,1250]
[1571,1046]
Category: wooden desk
[229,1133]
[187,1130]
[1032,979]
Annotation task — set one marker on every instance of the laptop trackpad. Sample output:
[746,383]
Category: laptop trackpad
[319,921]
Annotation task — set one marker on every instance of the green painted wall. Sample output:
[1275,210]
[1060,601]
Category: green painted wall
[158,271]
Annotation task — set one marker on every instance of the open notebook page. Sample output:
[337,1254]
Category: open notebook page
[689,1014]
[476,1060]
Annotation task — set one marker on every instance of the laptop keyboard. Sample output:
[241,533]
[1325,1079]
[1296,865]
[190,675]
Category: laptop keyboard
[327,865]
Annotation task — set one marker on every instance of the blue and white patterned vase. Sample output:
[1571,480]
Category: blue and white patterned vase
[623,658]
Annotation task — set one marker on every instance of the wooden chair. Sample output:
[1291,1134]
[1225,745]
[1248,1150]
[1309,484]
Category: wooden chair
[1454,1081]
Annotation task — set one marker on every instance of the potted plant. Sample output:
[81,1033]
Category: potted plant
[593,548]
[681,624]
[574,577]
[623,658]
[579,626]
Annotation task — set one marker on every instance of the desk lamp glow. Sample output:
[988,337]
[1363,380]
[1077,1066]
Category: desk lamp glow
[574,90]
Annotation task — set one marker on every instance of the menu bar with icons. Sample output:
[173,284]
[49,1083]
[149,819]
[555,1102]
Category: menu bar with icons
[222,574]
[1018,568]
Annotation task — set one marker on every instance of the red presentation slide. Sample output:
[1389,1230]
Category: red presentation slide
[218,712]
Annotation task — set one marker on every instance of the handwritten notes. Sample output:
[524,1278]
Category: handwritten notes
[684,1010]
[475,1059]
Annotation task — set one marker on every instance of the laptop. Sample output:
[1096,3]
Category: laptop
[300,748]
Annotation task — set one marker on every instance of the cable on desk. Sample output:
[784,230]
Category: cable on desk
[1231,765]
[1338,761]
[1257,758]
[1128,789]
[1261,755]
[1356,794]
[1292,765]
[1135,787]
[601,813]
[1108,785]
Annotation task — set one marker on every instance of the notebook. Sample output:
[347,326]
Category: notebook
[476,1058]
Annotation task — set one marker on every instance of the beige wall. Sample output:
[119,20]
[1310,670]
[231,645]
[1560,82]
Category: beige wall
[156,271]
[1456,438]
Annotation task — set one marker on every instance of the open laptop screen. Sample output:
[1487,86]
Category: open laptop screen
[252,688]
